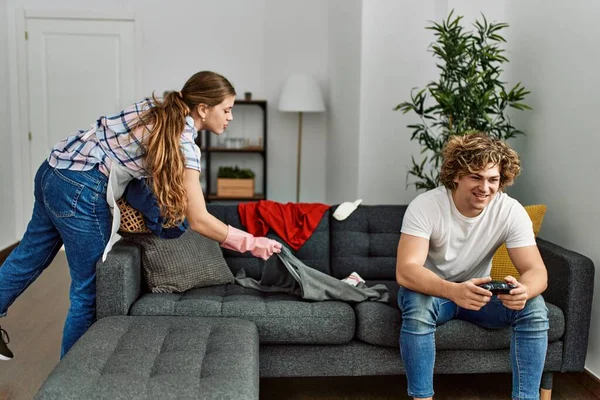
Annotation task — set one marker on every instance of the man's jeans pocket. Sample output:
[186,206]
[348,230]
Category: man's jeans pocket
[61,194]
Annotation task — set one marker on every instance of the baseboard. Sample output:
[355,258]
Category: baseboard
[592,375]
[588,380]
[5,252]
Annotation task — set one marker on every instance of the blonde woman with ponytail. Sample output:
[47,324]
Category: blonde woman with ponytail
[76,190]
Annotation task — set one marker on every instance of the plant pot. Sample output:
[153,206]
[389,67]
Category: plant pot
[240,188]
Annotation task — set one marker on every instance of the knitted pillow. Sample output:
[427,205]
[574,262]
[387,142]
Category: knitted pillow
[177,265]
[501,264]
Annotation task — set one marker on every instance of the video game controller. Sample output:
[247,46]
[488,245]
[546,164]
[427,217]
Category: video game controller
[498,287]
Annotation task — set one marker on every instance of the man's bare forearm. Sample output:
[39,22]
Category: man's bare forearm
[419,279]
[536,281]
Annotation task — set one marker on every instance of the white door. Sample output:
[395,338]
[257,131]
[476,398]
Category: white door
[78,70]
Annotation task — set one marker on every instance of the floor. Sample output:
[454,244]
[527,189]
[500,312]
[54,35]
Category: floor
[447,387]
[35,324]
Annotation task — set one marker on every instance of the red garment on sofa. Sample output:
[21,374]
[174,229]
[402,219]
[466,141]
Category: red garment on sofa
[293,222]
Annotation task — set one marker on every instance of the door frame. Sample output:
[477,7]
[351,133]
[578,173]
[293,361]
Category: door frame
[18,90]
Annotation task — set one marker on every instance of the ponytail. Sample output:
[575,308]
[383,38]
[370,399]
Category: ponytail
[164,159]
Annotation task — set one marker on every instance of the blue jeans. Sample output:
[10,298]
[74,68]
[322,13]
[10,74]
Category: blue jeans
[70,208]
[421,314]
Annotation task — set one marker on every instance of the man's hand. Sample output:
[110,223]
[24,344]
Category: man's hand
[518,296]
[469,296]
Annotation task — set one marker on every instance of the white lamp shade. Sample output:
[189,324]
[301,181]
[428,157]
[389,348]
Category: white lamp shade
[301,93]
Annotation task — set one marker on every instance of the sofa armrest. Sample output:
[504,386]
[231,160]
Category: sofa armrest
[118,279]
[570,287]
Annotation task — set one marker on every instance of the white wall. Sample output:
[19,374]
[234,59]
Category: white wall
[7,199]
[256,45]
[471,10]
[345,32]
[394,60]
[555,54]
[296,42]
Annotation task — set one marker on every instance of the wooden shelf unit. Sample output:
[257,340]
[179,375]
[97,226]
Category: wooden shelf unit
[227,150]
[256,197]
[209,149]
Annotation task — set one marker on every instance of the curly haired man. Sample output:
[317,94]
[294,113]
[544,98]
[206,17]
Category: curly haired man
[449,236]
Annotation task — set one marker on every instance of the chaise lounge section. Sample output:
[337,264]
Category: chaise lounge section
[181,358]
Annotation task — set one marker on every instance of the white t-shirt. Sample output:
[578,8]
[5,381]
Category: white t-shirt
[461,248]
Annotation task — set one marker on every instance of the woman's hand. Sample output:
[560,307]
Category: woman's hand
[265,247]
[242,242]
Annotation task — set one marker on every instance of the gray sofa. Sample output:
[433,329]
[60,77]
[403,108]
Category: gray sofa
[300,338]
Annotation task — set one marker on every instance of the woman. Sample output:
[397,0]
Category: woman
[77,187]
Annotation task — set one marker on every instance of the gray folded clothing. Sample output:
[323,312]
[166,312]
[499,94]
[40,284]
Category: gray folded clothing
[286,273]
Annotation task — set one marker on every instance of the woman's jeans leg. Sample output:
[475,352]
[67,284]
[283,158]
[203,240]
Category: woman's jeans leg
[70,207]
[77,203]
[35,252]
[421,314]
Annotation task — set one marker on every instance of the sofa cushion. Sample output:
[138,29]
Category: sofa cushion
[176,265]
[280,318]
[315,252]
[366,242]
[379,324]
[160,358]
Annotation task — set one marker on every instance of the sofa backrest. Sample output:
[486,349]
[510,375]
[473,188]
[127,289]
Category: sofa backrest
[314,253]
[366,242]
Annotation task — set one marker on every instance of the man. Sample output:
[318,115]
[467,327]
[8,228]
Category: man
[449,236]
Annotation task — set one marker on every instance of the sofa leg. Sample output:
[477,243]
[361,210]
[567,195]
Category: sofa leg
[546,386]
[545,394]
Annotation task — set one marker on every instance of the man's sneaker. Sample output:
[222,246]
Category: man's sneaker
[5,353]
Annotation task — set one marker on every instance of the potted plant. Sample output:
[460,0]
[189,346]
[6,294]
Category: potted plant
[468,96]
[235,182]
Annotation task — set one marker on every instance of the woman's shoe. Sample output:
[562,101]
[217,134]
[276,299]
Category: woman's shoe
[5,353]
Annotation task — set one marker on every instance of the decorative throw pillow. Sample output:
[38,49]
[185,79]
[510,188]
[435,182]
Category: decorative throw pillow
[177,265]
[501,264]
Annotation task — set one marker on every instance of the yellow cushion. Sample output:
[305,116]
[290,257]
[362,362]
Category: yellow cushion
[501,264]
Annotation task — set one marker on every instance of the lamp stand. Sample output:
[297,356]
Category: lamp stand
[299,157]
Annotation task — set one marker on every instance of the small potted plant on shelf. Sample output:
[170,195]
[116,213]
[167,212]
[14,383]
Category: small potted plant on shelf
[235,182]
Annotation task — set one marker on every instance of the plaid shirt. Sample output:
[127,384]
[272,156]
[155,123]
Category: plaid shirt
[112,142]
